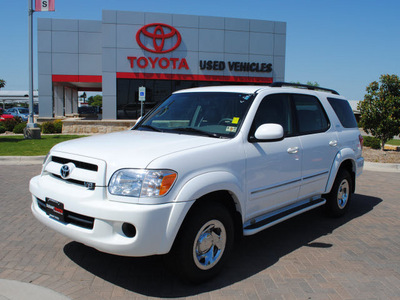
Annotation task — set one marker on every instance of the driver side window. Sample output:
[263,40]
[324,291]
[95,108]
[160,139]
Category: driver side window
[276,109]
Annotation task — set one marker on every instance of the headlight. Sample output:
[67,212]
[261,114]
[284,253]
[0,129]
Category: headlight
[141,183]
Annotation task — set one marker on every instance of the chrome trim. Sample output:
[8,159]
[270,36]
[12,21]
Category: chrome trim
[316,175]
[286,217]
[275,186]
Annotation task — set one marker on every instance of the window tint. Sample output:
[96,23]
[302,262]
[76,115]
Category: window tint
[311,117]
[276,109]
[344,112]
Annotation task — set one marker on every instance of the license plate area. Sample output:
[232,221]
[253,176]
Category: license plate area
[55,209]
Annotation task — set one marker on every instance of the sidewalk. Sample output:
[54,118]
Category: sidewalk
[15,290]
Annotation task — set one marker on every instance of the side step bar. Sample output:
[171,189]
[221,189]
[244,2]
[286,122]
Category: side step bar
[262,222]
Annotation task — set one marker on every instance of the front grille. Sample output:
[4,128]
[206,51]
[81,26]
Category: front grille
[78,164]
[71,217]
[88,185]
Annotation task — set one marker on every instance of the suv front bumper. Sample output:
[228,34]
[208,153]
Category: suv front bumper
[156,225]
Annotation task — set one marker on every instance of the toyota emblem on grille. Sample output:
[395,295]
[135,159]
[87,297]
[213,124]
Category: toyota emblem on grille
[66,170]
[157,34]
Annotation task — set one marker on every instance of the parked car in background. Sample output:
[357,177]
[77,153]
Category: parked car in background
[4,116]
[21,112]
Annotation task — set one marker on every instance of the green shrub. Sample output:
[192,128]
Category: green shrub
[372,142]
[19,128]
[48,127]
[9,124]
[58,126]
[51,127]
[2,129]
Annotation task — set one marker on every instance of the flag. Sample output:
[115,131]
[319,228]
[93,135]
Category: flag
[44,5]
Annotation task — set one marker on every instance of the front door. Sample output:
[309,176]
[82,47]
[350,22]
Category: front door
[273,169]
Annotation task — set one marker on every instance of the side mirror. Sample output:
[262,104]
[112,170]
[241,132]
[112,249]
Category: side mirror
[268,132]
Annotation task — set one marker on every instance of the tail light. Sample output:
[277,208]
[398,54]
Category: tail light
[361,141]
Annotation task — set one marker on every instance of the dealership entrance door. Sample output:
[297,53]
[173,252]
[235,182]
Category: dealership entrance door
[66,96]
[128,104]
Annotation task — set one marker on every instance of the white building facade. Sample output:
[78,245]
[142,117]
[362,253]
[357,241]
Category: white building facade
[162,52]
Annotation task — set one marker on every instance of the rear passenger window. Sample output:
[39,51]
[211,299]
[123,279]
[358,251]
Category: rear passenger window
[344,112]
[311,117]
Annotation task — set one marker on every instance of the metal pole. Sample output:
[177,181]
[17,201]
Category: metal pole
[31,111]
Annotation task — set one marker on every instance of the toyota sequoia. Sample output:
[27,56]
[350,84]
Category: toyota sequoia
[203,167]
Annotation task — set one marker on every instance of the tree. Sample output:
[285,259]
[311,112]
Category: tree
[380,109]
[95,100]
[308,83]
[2,83]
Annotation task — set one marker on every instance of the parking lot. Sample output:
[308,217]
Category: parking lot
[308,257]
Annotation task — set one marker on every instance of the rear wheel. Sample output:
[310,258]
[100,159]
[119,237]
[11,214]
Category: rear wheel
[338,200]
[203,244]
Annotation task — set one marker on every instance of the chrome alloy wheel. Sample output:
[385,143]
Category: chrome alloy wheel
[209,245]
[343,194]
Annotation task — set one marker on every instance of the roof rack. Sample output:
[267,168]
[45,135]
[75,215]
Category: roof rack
[305,86]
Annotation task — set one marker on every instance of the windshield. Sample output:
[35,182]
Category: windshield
[23,110]
[215,114]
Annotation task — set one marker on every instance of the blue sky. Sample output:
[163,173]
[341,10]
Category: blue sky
[340,44]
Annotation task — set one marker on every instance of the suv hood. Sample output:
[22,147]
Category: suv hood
[132,148]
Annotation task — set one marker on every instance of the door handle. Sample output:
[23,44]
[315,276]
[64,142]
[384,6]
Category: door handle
[293,150]
[333,143]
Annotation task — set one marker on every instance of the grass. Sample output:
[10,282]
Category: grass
[394,142]
[16,145]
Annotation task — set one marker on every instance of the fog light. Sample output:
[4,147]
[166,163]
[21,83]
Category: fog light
[129,230]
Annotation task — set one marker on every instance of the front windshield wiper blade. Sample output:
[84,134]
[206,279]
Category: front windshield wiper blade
[151,127]
[195,130]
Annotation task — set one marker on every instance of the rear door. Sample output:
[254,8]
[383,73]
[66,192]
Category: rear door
[319,142]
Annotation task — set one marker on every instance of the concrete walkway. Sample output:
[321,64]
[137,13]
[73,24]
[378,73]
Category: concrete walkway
[16,290]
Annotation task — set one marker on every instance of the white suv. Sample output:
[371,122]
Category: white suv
[203,166]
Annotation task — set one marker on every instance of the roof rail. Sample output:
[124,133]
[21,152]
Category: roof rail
[309,87]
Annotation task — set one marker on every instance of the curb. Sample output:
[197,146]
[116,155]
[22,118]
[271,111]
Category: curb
[38,160]
[21,160]
[382,167]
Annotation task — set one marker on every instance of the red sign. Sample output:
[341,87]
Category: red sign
[44,5]
[158,34]
[164,63]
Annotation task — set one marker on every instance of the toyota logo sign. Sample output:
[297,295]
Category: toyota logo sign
[156,34]
[66,170]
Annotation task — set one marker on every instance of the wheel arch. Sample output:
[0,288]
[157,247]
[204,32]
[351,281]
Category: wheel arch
[217,187]
[344,159]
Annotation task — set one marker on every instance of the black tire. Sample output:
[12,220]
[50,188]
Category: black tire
[197,262]
[339,198]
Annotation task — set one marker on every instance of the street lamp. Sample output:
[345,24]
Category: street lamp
[32,130]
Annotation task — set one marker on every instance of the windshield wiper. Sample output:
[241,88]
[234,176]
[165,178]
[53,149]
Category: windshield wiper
[195,130]
[151,127]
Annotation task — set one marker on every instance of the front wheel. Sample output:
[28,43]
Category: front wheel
[203,244]
[338,200]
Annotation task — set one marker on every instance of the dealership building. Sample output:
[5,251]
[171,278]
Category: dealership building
[161,52]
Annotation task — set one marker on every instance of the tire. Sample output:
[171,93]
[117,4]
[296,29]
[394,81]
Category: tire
[339,198]
[203,244]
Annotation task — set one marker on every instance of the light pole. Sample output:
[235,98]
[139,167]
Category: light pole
[32,131]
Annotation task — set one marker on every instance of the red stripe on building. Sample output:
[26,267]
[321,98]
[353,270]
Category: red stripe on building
[161,76]
[77,78]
